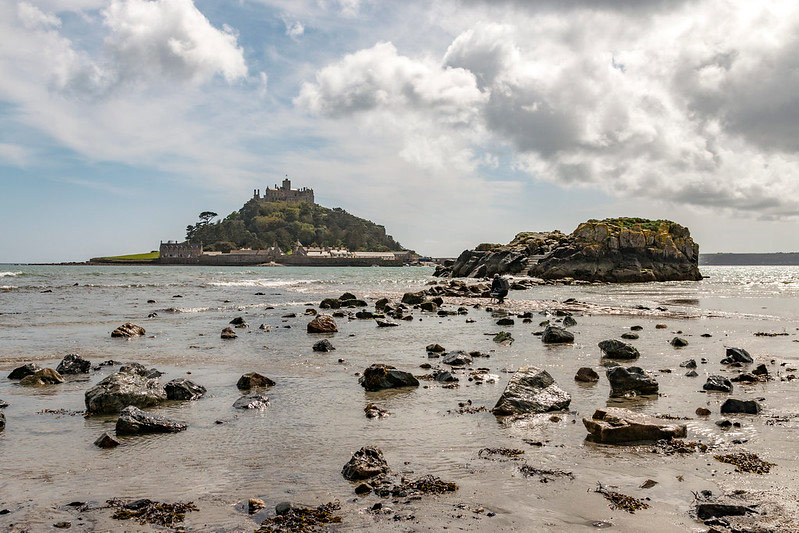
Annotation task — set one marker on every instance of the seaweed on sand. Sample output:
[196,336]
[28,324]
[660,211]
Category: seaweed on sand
[304,519]
[621,501]
[147,511]
[746,462]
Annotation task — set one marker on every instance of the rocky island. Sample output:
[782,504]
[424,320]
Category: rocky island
[617,250]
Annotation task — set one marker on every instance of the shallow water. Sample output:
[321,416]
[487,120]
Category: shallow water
[294,450]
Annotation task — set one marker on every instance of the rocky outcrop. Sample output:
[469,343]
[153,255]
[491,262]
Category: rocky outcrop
[610,250]
[531,390]
[378,377]
[134,421]
[122,389]
[73,364]
[615,425]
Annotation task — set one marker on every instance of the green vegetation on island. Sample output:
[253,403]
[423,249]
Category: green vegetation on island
[260,224]
[148,256]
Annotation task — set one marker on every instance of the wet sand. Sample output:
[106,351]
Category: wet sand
[295,449]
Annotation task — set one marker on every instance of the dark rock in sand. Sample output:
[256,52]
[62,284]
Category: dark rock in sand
[678,342]
[252,380]
[3,404]
[2,421]
[556,335]
[106,440]
[569,321]
[435,348]
[444,376]
[615,425]
[636,328]
[322,324]
[122,389]
[717,383]
[25,370]
[505,322]
[691,374]
[330,303]
[386,323]
[745,377]
[128,330]
[737,355]
[364,315]
[708,510]
[228,333]
[732,406]
[323,346]
[182,389]
[254,400]
[366,463]
[134,421]
[457,358]
[382,303]
[630,380]
[702,411]
[629,336]
[690,363]
[238,321]
[531,390]
[378,377]
[760,370]
[586,375]
[45,376]
[347,296]
[429,305]
[616,349]
[73,364]
[414,298]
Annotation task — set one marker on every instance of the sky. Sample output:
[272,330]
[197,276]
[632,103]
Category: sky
[452,122]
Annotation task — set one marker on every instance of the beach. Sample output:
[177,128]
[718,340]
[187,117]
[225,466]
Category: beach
[294,450]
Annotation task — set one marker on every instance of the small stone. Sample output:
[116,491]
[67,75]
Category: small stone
[702,411]
[678,342]
[586,375]
[648,484]
[128,330]
[62,525]
[362,489]
[717,383]
[254,505]
[106,440]
[228,333]
[253,400]
[253,379]
[323,346]
[283,508]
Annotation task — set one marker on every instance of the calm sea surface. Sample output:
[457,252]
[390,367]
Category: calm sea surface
[294,450]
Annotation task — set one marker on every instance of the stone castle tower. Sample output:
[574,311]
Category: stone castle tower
[285,193]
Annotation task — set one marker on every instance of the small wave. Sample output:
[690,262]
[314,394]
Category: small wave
[7,288]
[273,283]
[10,274]
[185,309]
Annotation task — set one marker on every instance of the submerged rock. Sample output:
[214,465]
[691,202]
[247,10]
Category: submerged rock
[372,410]
[569,321]
[731,406]
[45,376]
[630,380]
[253,400]
[323,346]
[128,330]
[615,349]
[122,389]
[228,333]
[378,377]
[106,440]
[531,390]
[25,370]
[717,383]
[183,390]
[322,323]
[586,375]
[557,335]
[253,379]
[615,425]
[366,463]
[73,364]
[134,421]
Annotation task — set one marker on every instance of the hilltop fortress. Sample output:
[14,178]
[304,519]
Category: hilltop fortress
[285,193]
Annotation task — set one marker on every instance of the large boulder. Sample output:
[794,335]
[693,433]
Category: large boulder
[73,364]
[378,377]
[322,324]
[253,379]
[557,335]
[718,383]
[128,330]
[531,390]
[253,400]
[616,349]
[366,463]
[122,389]
[630,381]
[25,370]
[45,376]
[134,421]
[615,425]
[182,389]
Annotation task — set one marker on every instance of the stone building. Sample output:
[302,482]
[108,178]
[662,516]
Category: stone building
[285,193]
[177,253]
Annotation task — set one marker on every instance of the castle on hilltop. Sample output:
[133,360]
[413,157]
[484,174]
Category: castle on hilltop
[284,193]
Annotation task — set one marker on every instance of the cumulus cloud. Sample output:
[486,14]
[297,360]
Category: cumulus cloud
[294,29]
[686,105]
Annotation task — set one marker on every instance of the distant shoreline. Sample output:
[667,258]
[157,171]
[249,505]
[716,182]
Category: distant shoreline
[750,259]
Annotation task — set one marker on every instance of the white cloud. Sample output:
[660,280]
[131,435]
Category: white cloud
[294,29]
[685,106]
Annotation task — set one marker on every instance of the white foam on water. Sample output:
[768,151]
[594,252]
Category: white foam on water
[273,283]
[9,274]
